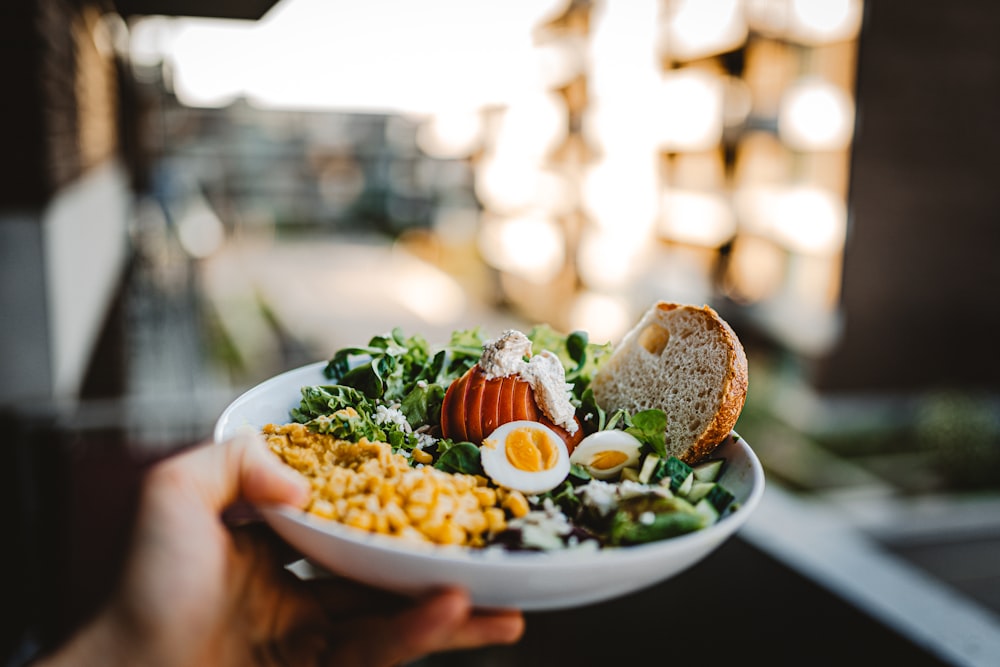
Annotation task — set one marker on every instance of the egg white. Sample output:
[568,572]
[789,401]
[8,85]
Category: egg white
[499,468]
[604,441]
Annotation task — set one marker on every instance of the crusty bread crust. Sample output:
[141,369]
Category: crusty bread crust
[689,363]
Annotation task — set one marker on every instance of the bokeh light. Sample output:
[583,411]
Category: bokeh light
[816,115]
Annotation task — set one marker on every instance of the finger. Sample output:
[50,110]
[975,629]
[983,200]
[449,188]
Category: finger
[440,622]
[402,637]
[340,596]
[241,468]
[486,628]
[446,621]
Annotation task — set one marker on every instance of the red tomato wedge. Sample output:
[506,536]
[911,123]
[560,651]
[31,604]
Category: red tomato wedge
[474,405]
[571,439]
[491,405]
[505,401]
[524,401]
[453,409]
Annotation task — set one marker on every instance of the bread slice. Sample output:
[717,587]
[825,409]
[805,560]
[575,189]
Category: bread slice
[685,361]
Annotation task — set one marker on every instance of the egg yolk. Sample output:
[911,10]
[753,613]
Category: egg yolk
[531,450]
[608,459]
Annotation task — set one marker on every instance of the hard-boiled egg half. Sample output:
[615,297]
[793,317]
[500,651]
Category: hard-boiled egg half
[604,453]
[525,456]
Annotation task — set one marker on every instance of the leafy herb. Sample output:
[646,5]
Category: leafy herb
[565,497]
[325,400]
[460,457]
[589,412]
[423,404]
[650,427]
[348,424]
[390,366]
[579,356]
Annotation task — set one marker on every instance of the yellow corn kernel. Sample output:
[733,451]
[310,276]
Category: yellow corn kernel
[468,502]
[451,534]
[340,507]
[473,522]
[323,508]
[496,519]
[385,492]
[486,496]
[411,533]
[422,495]
[397,517]
[420,456]
[516,503]
[380,523]
[462,483]
[446,504]
[431,528]
[359,519]
[417,512]
[335,488]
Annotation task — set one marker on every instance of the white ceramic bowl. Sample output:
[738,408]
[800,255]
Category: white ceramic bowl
[522,580]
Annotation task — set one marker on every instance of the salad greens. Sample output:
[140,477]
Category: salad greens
[401,373]
[392,390]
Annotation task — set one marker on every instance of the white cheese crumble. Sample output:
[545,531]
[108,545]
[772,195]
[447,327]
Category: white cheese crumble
[391,415]
[604,497]
[547,528]
[511,354]
[425,440]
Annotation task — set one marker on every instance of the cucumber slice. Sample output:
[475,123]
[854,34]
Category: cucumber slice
[649,518]
[677,471]
[709,471]
[699,490]
[630,474]
[648,468]
[720,497]
[707,510]
[685,488]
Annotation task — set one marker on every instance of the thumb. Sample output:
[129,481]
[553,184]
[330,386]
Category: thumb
[263,478]
[239,469]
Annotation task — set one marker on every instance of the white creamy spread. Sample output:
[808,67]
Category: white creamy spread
[507,355]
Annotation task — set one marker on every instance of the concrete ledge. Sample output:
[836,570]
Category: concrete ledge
[821,543]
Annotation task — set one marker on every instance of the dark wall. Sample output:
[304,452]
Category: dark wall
[921,290]
[38,121]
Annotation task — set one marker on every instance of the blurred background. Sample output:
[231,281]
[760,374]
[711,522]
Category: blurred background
[198,195]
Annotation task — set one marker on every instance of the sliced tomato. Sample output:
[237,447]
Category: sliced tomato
[525,406]
[571,439]
[474,406]
[453,408]
[505,412]
[490,410]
